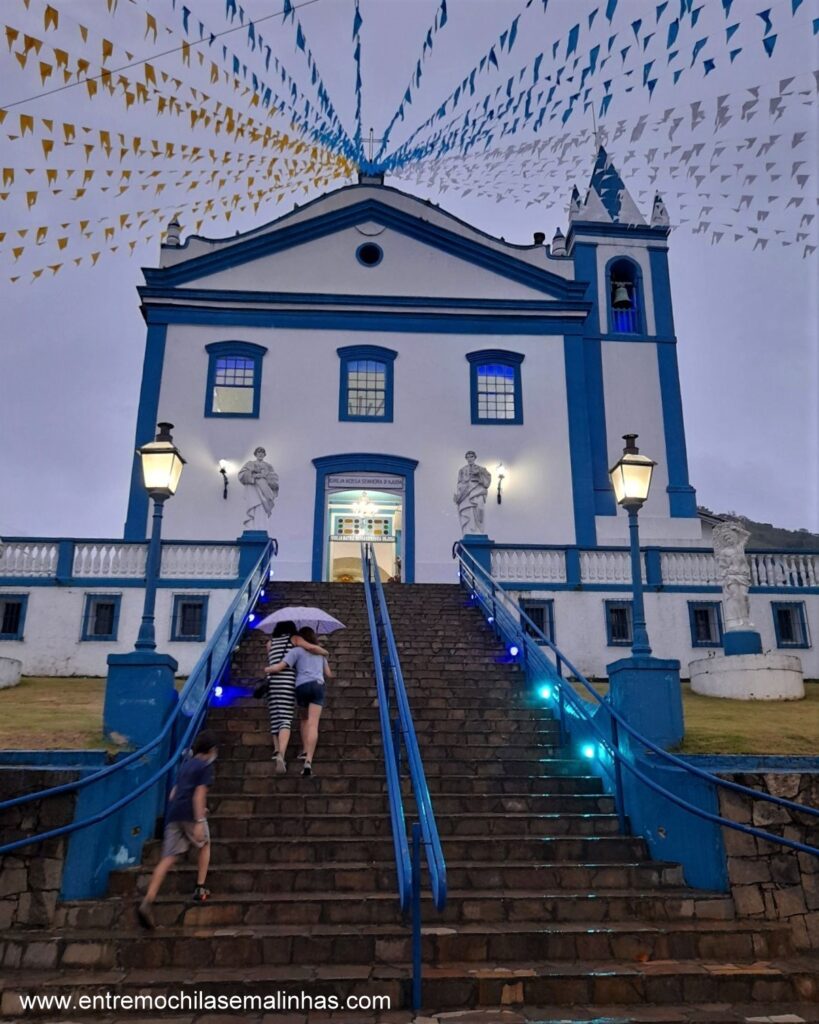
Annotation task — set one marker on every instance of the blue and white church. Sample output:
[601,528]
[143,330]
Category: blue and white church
[326,374]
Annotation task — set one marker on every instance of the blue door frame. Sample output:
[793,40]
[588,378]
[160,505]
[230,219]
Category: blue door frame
[365,462]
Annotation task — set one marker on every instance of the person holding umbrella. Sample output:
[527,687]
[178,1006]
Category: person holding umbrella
[281,694]
[311,672]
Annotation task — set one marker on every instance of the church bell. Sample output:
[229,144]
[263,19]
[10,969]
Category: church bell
[621,299]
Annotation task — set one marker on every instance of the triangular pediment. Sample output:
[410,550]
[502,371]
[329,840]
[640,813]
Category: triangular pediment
[316,250]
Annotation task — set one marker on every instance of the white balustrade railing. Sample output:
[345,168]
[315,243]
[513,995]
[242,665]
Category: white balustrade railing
[195,561]
[529,565]
[693,568]
[110,558]
[790,569]
[606,567]
[28,558]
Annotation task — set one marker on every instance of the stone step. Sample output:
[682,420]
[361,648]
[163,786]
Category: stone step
[459,986]
[445,803]
[352,876]
[357,942]
[307,826]
[359,762]
[440,700]
[234,780]
[378,906]
[254,715]
[360,747]
[323,849]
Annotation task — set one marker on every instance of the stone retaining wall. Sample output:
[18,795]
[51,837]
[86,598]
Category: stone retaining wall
[769,881]
[30,878]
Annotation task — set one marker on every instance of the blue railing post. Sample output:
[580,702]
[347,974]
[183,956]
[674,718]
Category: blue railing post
[416,916]
[618,776]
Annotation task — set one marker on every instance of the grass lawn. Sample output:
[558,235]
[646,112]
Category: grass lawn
[52,714]
[716,726]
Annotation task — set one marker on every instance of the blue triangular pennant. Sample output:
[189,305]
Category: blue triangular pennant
[661,10]
[769,42]
[572,43]
[709,65]
[611,7]
[673,32]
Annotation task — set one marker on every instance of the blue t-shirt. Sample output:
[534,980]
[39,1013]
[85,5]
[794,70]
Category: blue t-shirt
[309,667]
[193,773]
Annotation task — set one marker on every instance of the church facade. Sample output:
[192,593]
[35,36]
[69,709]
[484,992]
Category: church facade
[369,339]
[369,367]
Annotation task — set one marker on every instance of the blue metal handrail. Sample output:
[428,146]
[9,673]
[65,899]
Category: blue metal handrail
[192,703]
[512,622]
[397,733]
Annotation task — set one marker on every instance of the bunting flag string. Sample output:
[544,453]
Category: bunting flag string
[358,21]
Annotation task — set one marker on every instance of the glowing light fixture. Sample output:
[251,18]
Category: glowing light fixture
[161,464]
[587,750]
[217,691]
[500,473]
[514,650]
[364,507]
[631,475]
[545,692]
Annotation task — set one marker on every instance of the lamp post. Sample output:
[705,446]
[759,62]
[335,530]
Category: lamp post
[161,469]
[631,479]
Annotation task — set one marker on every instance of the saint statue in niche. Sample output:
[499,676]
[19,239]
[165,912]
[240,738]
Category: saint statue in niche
[470,494]
[734,573]
[261,483]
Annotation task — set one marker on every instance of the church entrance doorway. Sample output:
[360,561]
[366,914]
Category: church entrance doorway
[364,497]
[357,515]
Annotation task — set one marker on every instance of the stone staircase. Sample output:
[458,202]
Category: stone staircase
[552,915]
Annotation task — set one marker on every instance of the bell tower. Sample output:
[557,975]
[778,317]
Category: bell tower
[624,372]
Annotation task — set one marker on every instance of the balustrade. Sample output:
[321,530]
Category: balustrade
[194,561]
[529,565]
[109,559]
[694,568]
[28,558]
[606,567]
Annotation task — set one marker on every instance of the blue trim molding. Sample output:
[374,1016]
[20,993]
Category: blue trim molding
[197,599]
[241,350]
[501,357]
[259,244]
[713,608]
[352,353]
[798,627]
[22,601]
[89,610]
[365,462]
[580,451]
[136,523]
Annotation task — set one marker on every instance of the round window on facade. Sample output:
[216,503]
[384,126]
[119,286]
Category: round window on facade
[369,254]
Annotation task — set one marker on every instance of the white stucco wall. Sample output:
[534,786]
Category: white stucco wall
[432,423]
[52,643]
[52,646]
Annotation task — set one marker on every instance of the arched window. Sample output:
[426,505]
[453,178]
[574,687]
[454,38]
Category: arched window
[366,386]
[234,379]
[625,297]
[496,393]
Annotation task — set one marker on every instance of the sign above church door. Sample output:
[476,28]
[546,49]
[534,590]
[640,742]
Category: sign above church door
[367,481]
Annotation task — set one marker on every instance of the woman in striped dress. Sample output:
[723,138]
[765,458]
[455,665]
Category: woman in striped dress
[281,690]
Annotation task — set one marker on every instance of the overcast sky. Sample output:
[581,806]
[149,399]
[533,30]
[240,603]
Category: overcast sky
[746,317]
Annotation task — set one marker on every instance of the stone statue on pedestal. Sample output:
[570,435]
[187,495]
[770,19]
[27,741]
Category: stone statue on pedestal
[734,573]
[470,495]
[261,484]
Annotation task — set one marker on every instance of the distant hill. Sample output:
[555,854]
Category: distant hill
[766,535]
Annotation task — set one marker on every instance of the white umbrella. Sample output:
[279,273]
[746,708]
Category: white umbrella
[315,618]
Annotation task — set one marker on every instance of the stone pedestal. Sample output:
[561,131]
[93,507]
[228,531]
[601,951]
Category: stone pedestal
[646,692]
[10,671]
[748,677]
[741,641]
[139,696]
[480,547]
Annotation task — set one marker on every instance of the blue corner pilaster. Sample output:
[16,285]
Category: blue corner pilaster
[251,545]
[136,524]
[741,641]
[573,567]
[480,547]
[682,498]
[139,695]
[65,562]
[647,693]
[654,567]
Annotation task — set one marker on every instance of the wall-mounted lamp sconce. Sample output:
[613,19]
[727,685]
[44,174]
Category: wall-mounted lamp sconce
[500,473]
[223,471]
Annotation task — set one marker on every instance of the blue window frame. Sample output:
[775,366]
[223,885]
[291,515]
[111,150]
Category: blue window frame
[624,282]
[367,384]
[234,379]
[790,624]
[542,614]
[13,616]
[618,623]
[705,620]
[100,618]
[189,620]
[495,389]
